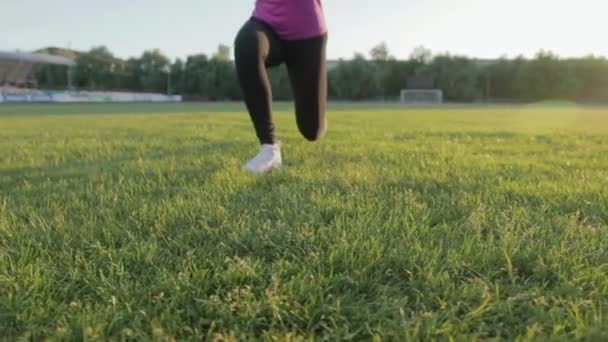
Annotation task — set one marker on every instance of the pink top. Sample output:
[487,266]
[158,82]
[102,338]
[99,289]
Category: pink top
[292,19]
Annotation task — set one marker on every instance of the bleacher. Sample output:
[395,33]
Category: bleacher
[16,67]
[18,85]
[16,81]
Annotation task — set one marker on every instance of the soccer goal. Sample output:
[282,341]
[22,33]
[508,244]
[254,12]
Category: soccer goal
[422,96]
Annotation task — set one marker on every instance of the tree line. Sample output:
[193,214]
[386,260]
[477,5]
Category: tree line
[375,76]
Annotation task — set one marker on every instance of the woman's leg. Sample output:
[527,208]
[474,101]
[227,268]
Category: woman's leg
[256,48]
[307,67]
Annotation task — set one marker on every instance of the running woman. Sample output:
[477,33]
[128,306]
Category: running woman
[291,32]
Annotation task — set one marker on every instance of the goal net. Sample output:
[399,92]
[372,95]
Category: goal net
[426,96]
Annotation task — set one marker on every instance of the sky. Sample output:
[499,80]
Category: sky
[475,28]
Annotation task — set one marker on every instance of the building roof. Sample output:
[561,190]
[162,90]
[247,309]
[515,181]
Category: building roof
[35,58]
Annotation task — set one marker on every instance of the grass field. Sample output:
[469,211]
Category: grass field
[137,222]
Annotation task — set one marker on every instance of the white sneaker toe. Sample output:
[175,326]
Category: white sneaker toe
[267,159]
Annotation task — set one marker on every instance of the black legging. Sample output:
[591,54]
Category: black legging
[258,47]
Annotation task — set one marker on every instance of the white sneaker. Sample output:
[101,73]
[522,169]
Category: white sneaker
[267,159]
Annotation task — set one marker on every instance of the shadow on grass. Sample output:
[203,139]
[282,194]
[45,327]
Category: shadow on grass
[117,108]
[122,161]
[335,270]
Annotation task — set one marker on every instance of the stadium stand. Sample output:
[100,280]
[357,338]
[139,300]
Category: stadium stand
[16,67]
[18,85]
[16,81]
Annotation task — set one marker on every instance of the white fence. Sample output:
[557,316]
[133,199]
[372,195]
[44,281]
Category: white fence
[15,95]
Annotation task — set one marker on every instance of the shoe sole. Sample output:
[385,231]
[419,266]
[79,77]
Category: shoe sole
[271,168]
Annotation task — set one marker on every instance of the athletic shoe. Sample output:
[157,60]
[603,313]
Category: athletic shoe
[267,159]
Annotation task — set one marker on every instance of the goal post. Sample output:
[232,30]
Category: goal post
[421,96]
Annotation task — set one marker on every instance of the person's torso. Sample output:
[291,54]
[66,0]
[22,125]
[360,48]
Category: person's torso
[292,19]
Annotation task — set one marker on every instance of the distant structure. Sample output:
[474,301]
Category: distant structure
[16,68]
[420,89]
[17,84]
[421,81]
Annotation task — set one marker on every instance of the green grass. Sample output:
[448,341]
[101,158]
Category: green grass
[136,222]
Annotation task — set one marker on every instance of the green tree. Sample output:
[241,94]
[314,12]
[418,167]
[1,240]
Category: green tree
[177,77]
[393,75]
[592,72]
[498,79]
[222,53]
[421,55]
[95,68]
[194,75]
[154,68]
[457,76]
[131,75]
[354,80]
[546,77]
[380,52]
[219,78]
[462,79]
[281,85]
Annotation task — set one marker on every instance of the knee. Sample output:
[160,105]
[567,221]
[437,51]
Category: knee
[313,136]
[314,133]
